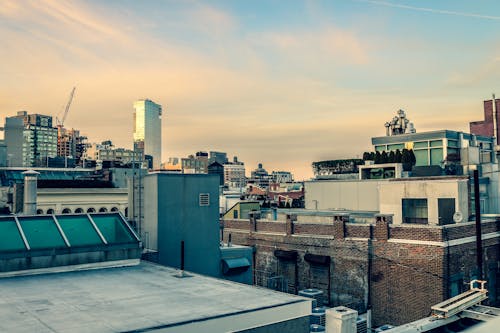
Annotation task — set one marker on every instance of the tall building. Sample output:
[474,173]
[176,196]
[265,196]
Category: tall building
[30,138]
[147,129]
[234,174]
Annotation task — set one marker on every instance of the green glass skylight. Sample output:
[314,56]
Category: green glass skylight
[10,237]
[41,232]
[79,230]
[113,228]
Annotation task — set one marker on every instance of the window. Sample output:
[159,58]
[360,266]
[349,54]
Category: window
[436,156]
[423,144]
[399,146]
[421,157]
[436,143]
[204,199]
[415,211]
[235,214]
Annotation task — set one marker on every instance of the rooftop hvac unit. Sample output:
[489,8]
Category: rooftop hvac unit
[316,329]
[318,316]
[361,325]
[313,293]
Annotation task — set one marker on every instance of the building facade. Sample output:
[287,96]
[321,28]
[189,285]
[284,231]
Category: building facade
[434,148]
[488,126]
[31,140]
[281,176]
[71,144]
[14,138]
[106,151]
[234,175]
[397,270]
[147,129]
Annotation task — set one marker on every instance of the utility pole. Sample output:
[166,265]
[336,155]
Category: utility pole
[479,241]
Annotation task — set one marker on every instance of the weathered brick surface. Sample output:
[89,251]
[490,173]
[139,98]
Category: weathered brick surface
[357,231]
[407,278]
[313,229]
[416,233]
[406,281]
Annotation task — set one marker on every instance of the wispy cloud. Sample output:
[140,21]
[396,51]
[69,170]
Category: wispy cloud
[340,46]
[430,10]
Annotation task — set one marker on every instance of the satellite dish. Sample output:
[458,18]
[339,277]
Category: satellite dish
[458,217]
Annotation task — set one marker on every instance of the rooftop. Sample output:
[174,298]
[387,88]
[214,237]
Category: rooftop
[141,298]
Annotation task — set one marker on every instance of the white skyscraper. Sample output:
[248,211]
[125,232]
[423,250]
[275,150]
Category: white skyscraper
[147,129]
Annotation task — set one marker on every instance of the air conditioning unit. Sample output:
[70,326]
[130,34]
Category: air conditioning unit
[314,294]
[361,325]
[317,329]
[317,316]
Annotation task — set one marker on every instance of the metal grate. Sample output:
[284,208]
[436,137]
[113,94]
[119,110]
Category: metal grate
[269,280]
[204,199]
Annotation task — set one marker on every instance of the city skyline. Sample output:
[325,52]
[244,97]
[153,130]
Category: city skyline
[282,84]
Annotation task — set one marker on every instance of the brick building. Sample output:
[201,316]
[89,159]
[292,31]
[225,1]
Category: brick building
[486,127]
[400,270]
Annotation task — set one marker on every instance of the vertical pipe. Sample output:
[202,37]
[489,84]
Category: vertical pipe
[479,245]
[182,256]
[369,293]
[495,123]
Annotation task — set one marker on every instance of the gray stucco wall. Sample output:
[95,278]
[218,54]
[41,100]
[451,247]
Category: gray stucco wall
[181,218]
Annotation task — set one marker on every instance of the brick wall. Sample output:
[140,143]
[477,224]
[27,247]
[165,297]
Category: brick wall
[408,274]
[485,127]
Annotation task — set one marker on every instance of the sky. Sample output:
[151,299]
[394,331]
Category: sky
[283,83]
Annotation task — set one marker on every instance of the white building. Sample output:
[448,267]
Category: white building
[234,175]
[147,129]
[282,176]
[411,200]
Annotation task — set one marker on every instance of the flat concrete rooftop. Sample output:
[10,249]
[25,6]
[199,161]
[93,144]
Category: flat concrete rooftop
[142,298]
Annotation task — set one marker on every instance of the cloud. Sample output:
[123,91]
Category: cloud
[271,96]
[338,45]
[486,71]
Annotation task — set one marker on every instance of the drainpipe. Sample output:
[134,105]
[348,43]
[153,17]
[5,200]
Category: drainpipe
[495,129]
[495,125]
[30,189]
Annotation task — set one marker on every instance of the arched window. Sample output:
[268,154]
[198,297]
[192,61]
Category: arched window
[50,211]
[39,211]
[91,210]
[114,209]
[66,211]
[78,210]
[102,210]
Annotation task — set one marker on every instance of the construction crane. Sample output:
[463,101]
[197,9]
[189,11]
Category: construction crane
[60,123]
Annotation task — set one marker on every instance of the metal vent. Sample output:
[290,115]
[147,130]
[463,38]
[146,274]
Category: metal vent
[204,199]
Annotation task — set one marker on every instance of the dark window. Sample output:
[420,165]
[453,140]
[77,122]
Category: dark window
[415,211]
[446,209]
[235,214]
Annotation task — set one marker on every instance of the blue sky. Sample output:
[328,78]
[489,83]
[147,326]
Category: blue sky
[284,83]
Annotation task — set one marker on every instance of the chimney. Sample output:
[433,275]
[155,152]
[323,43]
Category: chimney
[30,187]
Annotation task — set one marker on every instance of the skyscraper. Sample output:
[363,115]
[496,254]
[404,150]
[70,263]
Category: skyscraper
[147,129]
